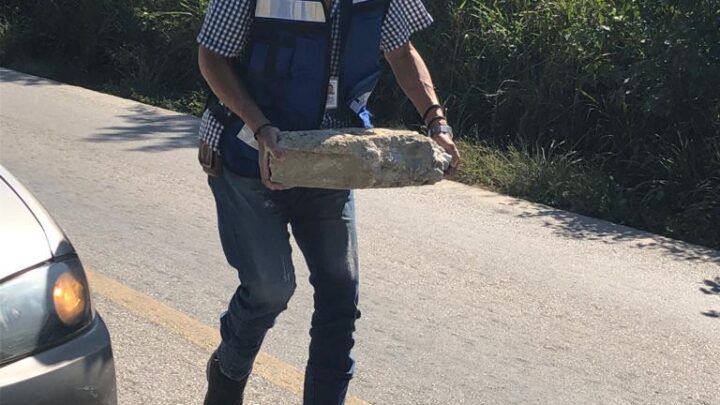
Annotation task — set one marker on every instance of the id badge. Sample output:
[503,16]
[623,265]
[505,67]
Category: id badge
[332,94]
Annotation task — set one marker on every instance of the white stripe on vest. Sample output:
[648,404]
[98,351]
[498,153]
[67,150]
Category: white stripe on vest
[293,10]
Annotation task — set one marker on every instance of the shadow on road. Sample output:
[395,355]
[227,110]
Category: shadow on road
[11,76]
[156,130]
[152,130]
[575,226]
[712,287]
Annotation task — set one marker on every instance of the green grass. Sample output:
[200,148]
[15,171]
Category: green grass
[553,177]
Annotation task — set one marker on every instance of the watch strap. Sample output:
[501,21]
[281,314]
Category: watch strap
[439,129]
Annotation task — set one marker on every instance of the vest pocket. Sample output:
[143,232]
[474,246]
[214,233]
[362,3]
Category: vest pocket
[306,89]
[309,55]
[271,59]
[283,61]
[258,56]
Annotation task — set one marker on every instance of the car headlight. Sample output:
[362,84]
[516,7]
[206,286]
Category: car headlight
[42,307]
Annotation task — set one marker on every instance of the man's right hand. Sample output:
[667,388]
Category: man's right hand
[267,148]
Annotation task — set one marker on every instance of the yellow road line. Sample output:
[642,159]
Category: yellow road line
[268,367]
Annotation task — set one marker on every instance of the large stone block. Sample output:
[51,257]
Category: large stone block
[358,158]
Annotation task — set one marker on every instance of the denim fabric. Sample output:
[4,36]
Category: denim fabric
[253,224]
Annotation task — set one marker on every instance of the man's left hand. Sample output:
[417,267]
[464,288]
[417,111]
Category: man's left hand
[445,140]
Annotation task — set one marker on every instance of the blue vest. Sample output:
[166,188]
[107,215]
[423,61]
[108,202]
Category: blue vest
[286,69]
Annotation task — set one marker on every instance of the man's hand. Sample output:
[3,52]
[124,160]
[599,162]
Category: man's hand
[220,74]
[446,141]
[267,148]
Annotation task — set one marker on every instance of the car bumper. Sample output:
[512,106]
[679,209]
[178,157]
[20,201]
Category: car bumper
[79,372]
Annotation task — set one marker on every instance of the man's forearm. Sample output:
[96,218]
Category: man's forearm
[413,77]
[225,83]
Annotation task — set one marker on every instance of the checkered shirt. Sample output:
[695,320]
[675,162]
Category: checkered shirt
[226,30]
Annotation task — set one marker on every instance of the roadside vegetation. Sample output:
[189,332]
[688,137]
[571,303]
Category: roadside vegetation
[606,108]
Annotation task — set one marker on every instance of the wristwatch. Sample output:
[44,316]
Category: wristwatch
[440,129]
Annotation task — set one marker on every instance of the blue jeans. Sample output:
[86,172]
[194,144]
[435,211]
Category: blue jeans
[253,224]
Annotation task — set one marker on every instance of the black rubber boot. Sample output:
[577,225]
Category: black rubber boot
[221,389]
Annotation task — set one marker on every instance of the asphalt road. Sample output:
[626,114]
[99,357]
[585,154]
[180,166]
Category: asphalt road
[468,297]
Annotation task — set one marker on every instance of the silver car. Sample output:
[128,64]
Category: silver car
[54,347]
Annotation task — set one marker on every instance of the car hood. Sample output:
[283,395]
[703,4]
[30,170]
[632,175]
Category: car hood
[22,241]
[28,236]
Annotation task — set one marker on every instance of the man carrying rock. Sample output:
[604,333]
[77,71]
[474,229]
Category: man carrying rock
[283,65]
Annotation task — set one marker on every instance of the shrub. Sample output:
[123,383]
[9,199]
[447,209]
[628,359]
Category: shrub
[630,87]
[133,47]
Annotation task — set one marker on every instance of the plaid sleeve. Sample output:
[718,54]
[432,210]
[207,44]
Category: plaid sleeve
[404,18]
[226,27]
